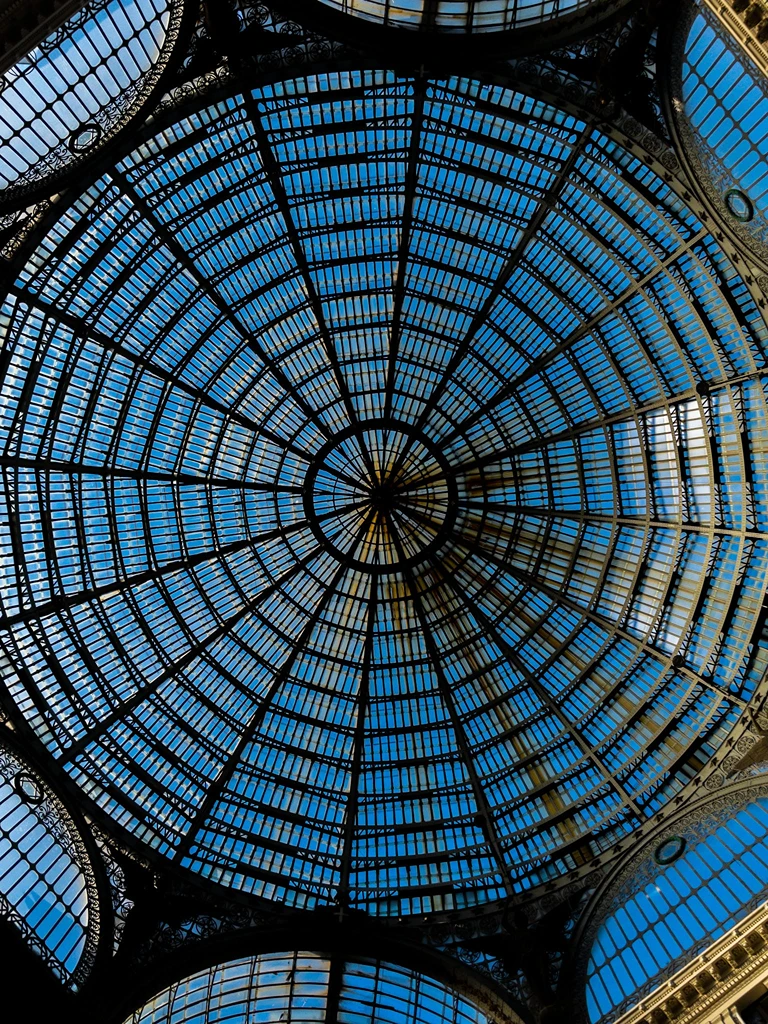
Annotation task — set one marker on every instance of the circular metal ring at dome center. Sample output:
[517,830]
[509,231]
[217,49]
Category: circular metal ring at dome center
[380,498]
[372,530]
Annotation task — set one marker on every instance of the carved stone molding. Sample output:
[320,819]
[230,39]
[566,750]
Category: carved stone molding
[747,23]
[713,982]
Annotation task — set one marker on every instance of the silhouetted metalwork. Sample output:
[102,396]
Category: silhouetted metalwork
[383,509]
[304,986]
[374,538]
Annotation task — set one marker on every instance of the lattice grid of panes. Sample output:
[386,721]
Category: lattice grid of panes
[70,92]
[725,102]
[583,417]
[461,15]
[298,988]
[666,914]
[43,890]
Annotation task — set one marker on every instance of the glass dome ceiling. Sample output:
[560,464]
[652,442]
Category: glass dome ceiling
[461,15]
[384,507]
[299,988]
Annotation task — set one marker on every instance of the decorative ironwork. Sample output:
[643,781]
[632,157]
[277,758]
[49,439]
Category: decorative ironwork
[669,850]
[548,403]
[331,988]
[464,16]
[723,145]
[557,525]
[708,822]
[48,887]
[53,113]
[464,35]
[121,904]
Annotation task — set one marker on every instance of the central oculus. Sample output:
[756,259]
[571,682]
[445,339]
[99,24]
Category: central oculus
[380,497]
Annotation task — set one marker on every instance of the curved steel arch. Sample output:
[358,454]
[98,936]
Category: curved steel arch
[589,437]
[693,824]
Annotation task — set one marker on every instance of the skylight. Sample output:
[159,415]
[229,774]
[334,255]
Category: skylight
[384,494]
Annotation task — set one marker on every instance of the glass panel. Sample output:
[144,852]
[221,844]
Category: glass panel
[43,890]
[296,987]
[69,93]
[460,15]
[367,536]
[700,901]
[725,103]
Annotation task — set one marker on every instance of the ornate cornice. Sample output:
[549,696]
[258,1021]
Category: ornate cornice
[747,22]
[713,981]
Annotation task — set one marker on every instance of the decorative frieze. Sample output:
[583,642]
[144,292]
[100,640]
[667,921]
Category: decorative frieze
[747,22]
[707,990]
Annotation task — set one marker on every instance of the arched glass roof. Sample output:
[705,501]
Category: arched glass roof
[81,83]
[724,106]
[43,886]
[461,15]
[298,988]
[384,494]
[682,895]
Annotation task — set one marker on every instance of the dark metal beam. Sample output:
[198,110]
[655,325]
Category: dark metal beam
[404,247]
[174,246]
[274,174]
[363,697]
[544,360]
[537,219]
[217,787]
[462,743]
[541,692]
[333,997]
[610,626]
[80,326]
[174,668]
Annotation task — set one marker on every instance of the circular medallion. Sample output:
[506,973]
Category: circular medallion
[739,205]
[28,788]
[668,851]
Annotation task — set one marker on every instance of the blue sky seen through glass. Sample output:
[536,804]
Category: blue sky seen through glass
[384,553]
[42,886]
[69,92]
[679,909]
[294,988]
[725,102]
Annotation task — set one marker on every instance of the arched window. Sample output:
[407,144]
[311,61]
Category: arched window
[462,15]
[682,893]
[46,882]
[299,988]
[81,83]
[721,108]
